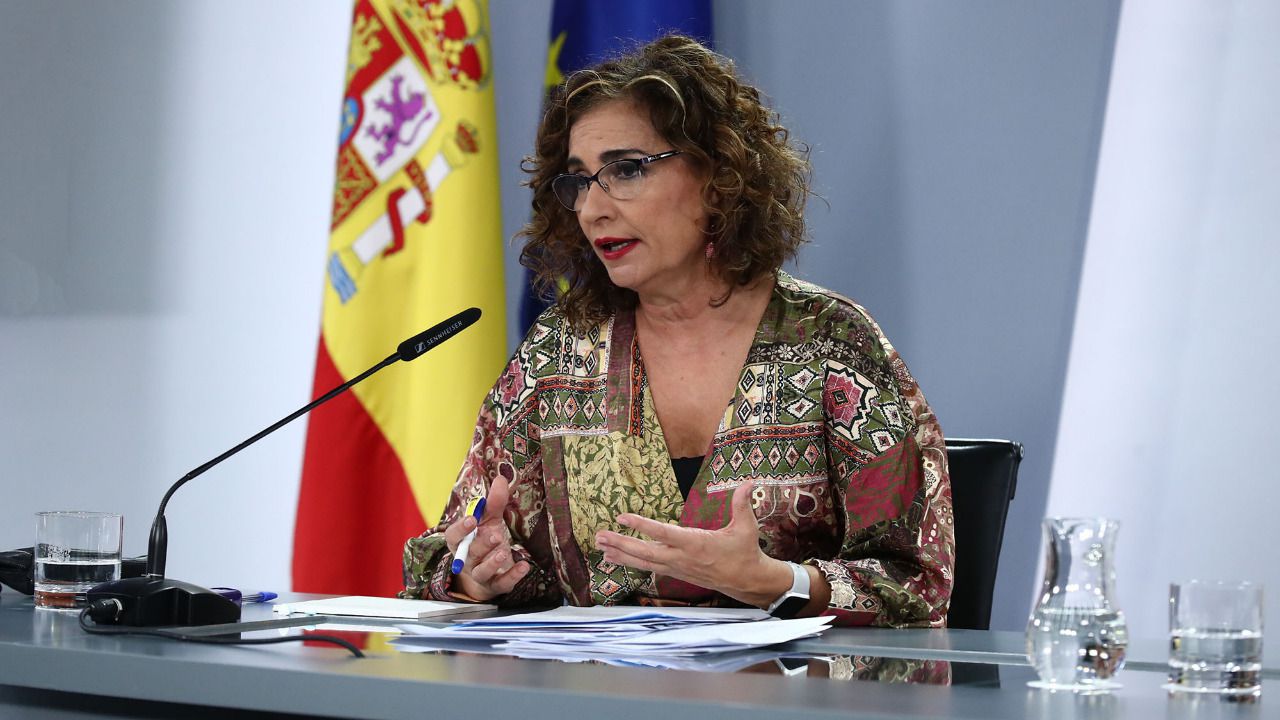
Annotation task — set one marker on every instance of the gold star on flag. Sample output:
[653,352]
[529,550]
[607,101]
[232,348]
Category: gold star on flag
[554,76]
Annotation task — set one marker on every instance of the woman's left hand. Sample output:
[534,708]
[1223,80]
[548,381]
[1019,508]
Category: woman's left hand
[728,560]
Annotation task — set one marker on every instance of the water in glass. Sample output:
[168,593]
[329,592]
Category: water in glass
[63,579]
[1225,661]
[1215,637]
[1076,646]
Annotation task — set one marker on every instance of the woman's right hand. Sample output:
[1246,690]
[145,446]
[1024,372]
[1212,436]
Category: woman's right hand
[489,570]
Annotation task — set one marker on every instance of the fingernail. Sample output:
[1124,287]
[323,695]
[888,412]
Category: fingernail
[468,522]
[624,520]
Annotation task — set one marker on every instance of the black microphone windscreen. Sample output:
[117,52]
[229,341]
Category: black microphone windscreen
[429,338]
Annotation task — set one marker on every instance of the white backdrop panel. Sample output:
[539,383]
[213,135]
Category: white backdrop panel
[1168,419]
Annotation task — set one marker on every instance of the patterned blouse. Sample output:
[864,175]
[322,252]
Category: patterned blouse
[848,461]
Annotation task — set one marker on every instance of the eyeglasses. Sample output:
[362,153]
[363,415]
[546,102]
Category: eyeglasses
[621,179]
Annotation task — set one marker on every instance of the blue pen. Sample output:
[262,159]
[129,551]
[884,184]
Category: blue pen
[250,596]
[475,509]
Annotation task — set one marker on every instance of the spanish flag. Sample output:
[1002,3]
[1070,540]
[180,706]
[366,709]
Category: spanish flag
[416,236]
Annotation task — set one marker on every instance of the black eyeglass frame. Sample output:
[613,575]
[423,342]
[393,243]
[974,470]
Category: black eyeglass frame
[583,188]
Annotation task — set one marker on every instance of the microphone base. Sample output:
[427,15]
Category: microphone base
[156,602]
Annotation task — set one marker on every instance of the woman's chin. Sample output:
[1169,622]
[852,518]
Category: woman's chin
[623,277]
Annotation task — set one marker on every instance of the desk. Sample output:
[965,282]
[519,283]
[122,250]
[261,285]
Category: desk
[46,660]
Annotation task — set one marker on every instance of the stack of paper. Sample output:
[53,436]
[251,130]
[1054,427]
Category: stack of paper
[628,634]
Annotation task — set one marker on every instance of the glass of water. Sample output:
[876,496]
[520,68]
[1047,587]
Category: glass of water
[1215,637]
[1077,636]
[74,551]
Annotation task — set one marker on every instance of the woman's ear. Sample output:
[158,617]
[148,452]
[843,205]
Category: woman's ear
[710,196]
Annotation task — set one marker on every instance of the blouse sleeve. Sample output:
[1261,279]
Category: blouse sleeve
[889,469]
[505,411]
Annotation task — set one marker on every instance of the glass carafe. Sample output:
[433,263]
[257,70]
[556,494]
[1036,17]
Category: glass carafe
[1076,637]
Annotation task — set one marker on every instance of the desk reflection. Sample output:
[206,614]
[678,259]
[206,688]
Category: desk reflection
[858,667]
[771,661]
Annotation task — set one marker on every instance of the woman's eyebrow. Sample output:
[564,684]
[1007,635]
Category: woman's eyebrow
[611,155]
[575,163]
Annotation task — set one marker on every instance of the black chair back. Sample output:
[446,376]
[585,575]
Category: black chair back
[984,476]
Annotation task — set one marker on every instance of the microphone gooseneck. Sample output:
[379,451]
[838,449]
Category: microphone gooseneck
[150,599]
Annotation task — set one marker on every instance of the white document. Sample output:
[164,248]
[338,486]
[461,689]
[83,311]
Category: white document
[380,607]
[629,634]
[755,634]
[570,615]
[502,634]
[697,640]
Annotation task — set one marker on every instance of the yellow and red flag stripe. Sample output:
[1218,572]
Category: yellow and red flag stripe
[416,236]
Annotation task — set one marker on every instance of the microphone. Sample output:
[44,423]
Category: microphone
[154,600]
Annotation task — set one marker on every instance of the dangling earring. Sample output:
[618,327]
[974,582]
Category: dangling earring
[711,249]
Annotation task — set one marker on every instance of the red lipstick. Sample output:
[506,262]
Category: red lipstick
[613,248]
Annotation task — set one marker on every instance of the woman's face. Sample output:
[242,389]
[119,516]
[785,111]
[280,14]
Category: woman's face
[653,243]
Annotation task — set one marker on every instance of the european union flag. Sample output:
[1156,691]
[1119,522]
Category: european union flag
[583,32]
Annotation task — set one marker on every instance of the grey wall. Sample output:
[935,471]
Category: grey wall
[521,33]
[165,180]
[955,146]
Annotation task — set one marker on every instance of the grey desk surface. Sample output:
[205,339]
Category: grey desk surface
[45,658]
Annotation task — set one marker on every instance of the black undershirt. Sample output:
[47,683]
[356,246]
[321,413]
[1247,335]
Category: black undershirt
[686,472]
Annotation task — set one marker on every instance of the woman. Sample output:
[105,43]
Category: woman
[689,424]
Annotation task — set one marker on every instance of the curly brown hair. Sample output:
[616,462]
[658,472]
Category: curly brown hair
[757,180]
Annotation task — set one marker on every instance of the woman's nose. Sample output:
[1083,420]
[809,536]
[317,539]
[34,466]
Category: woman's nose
[595,203]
